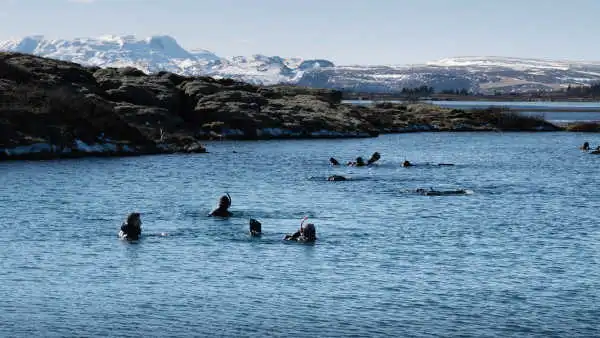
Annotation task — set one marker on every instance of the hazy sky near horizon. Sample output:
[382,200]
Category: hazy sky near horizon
[344,31]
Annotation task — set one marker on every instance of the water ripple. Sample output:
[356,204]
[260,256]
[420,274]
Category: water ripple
[517,257]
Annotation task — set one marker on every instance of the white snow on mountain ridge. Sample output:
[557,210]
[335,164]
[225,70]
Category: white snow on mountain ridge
[163,53]
[508,62]
[158,53]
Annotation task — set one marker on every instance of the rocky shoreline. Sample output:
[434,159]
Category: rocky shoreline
[55,109]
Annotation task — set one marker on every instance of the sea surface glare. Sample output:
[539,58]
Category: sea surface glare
[519,257]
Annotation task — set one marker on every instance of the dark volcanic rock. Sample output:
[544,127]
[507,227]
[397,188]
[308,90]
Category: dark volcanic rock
[198,88]
[398,118]
[51,108]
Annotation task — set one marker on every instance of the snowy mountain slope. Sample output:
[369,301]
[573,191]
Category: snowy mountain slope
[151,54]
[480,74]
[156,53]
[509,62]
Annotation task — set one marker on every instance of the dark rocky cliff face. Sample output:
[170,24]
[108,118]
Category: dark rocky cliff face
[51,109]
[59,109]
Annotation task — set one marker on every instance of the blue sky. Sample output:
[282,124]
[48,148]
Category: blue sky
[344,31]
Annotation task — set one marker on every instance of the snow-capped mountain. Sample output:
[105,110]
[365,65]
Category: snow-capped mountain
[156,53]
[151,54]
[479,74]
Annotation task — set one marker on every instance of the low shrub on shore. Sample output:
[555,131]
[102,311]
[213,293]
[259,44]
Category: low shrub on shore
[504,119]
[588,127]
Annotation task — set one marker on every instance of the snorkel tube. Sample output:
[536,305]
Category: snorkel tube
[229,199]
[302,223]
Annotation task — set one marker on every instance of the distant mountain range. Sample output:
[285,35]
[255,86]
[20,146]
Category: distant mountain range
[156,53]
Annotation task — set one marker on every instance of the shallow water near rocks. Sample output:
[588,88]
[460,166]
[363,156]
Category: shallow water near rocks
[517,257]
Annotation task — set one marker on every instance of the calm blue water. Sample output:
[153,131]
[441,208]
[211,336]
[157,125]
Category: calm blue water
[518,257]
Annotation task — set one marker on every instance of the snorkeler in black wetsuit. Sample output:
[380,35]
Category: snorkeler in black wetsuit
[223,209]
[255,227]
[132,228]
[306,233]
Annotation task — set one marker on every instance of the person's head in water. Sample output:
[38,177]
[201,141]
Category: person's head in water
[374,158]
[586,146]
[333,161]
[360,161]
[222,209]
[306,233]
[224,202]
[134,220]
[132,228]
[255,227]
[406,164]
[309,232]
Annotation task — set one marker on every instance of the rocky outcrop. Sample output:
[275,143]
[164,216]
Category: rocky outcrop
[51,108]
[399,118]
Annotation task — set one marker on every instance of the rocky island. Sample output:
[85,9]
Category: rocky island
[58,109]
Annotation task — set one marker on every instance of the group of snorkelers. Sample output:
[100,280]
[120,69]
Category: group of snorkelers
[132,228]
[376,156]
[360,162]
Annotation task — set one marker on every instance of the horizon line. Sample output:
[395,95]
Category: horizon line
[44,37]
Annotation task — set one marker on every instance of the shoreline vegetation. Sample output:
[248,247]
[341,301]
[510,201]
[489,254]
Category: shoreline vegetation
[570,94]
[55,109]
[517,97]
[544,109]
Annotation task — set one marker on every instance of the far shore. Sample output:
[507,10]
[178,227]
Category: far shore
[545,108]
[521,97]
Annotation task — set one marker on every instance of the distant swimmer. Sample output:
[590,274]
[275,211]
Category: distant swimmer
[333,161]
[359,162]
[336,178]
[132,228]
[255,227]
[585,146]
[223,209]
[432,192]
[305,234]
[409,164]
[374,158]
